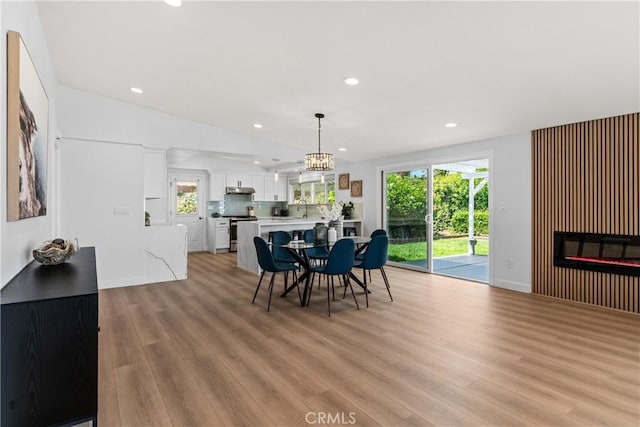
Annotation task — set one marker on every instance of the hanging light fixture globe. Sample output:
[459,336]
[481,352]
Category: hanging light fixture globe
[318,161]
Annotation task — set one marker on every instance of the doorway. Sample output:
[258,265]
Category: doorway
[188,206]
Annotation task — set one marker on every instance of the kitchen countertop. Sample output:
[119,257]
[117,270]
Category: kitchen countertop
[298,220]
[247,230]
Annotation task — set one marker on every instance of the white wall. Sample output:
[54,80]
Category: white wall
[20,237]
[87,116]
[95,179]
[509,199]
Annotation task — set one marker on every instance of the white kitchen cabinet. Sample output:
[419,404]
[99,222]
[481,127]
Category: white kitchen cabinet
[239,180]
[155,173]
[257,182]
[269,188]
[218,238]
[282,189]
[275,191]
[217,184]
[222,238]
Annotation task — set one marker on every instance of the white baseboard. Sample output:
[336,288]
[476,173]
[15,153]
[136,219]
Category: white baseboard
[512,286]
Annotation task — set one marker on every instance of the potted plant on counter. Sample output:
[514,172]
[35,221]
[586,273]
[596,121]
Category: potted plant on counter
[347,209]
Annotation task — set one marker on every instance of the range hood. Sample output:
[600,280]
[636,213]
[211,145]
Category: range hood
[240,190]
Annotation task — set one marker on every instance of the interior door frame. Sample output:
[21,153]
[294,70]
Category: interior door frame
[428,214]
[203,195]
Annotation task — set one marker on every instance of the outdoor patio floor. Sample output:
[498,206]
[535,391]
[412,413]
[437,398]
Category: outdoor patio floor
[471,267]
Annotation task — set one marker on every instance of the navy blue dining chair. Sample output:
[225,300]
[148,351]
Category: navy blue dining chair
[375,258]
[374,233]
[339,263]
[269,264]
[378,232]
[316,254]
[280,254]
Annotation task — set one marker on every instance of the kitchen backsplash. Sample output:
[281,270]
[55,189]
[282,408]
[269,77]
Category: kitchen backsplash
[237,205]
[313,212]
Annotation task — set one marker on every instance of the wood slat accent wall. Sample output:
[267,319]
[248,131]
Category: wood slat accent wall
[586,178]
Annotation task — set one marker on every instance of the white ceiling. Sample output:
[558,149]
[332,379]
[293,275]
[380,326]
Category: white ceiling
[495,68]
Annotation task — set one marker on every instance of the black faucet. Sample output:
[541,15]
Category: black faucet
[306,208]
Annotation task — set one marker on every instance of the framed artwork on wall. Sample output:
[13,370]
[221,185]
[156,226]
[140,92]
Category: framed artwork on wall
[343,181]
[27,134]
[356,188]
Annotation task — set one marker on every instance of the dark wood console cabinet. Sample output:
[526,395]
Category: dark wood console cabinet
[49,338]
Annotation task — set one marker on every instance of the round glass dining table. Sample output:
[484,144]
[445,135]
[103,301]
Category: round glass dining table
[298,249]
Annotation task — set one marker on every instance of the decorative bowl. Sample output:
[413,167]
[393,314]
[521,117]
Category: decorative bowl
[57,251]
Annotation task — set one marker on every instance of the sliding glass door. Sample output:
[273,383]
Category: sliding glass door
[437,218]
[407,217]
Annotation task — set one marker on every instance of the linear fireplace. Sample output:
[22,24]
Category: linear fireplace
[607,253]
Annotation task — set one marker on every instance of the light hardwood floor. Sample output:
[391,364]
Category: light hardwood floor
[445,352]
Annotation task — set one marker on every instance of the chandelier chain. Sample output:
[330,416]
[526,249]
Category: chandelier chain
[319,125]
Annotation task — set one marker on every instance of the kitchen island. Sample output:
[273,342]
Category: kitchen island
[165,253]
[247,259]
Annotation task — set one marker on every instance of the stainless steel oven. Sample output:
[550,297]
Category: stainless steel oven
[233,230]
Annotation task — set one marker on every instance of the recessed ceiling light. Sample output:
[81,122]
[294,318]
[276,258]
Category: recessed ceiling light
[256,162]
[257,125]
[174,3]
[450,125]
[342,149]
[136,90]
[351,81]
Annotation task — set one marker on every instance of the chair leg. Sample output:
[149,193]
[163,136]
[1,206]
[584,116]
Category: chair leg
[286,276]
[328,298]
[344,294]
[295,279]
[319,282]
[386,281]
[347,281]
[366,290]
[313,278]
[333,291]
[273,276]
[258,287]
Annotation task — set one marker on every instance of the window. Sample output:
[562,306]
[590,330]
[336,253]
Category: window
[314,192]
[186,198]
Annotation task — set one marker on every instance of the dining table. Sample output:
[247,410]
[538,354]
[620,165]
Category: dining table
[298,250]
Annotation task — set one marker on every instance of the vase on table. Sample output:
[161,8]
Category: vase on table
[320,234]
[337,224]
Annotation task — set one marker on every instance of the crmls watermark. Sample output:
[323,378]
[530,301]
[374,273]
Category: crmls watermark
[330,418]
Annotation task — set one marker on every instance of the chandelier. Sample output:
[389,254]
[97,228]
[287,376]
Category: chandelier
[318,161]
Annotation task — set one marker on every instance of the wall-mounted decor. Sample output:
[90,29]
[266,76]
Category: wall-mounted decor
[27,134]
[343,181]
[356,188]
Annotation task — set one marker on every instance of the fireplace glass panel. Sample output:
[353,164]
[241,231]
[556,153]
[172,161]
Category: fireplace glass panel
[610,253]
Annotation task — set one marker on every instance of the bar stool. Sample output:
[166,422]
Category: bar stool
[349,231]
